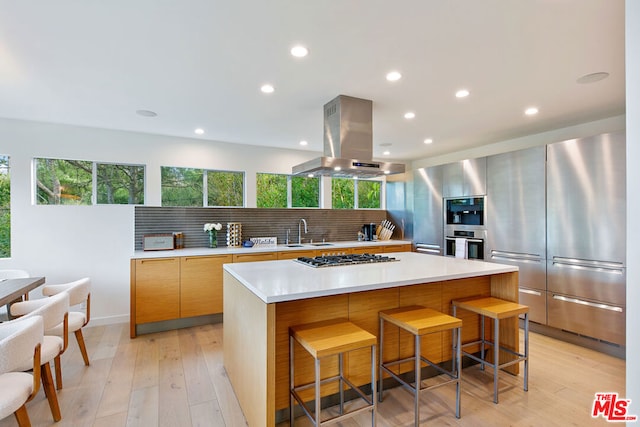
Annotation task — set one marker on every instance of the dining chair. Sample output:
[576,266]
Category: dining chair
[20,344]
[53,311]
[79,292]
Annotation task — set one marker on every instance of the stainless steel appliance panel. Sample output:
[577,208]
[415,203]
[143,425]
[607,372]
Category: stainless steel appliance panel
[590,318]
[516,203]
[465,178]
[536,299]
[532,267]
[586,196]
[427,210]
[600,281]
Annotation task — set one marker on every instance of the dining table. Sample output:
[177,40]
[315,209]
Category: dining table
[13,289]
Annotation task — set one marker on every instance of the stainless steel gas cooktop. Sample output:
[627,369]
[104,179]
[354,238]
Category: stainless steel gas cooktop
[338,260]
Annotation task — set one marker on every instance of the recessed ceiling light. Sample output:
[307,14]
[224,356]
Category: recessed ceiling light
[462,93]
[310,175]
[428,141]
[304,143]
[531,111]
[299,51]
[592,78]
[394,76]
[267,88]
[409,115]
[146,113]
[337,168]
[199,131]
[386,172]
[386,153]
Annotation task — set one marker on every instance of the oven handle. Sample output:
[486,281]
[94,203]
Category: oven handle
[588,303]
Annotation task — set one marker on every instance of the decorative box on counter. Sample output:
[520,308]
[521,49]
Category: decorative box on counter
[157,242]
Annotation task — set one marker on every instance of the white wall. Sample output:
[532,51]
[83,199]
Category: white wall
[633,201]
[65,243]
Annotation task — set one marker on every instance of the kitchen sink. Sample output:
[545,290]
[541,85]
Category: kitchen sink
[321,244]
[295,246]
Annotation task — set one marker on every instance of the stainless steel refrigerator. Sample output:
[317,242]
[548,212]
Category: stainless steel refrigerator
[586,236]
[516,222]
[427,207]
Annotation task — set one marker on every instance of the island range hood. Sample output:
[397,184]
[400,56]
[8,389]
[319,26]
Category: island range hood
[348,143]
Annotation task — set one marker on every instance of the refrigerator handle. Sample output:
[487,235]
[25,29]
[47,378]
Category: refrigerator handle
[588,303]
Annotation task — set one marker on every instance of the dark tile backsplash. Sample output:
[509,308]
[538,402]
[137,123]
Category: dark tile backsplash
[331,225]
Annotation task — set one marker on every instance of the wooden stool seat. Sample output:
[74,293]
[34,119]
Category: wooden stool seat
[420,321]
[326,339]
[496,309]
[331,337]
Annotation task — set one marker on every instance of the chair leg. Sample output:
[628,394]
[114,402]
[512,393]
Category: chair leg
[22,417]
[50,391]
[83,348]
[58,367]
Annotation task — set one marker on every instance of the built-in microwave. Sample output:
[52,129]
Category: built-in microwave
[465,211]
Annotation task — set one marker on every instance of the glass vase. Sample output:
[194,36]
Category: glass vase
[213,239]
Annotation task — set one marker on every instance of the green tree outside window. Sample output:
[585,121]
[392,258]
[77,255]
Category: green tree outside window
[271,190]
[181,186]
[368,194]
[5,208]
[63,182]
[120,184]
[342,193]
[225,188]
[305,192]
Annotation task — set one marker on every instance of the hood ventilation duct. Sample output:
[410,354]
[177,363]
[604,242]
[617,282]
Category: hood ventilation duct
[348,143]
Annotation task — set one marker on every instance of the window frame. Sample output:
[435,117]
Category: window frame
[289,190]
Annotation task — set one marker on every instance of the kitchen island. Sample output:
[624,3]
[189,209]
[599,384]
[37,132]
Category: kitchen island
[262,299]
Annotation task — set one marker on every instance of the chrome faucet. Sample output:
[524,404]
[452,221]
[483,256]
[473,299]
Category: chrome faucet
[287,240]
[302,221]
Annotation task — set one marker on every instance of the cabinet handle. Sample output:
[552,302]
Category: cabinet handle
[530,292]
[157,260]
[588,303]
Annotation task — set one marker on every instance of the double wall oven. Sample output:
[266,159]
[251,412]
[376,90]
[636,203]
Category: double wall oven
[465,233]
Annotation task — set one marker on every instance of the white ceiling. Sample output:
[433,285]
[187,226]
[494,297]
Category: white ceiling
[200,63]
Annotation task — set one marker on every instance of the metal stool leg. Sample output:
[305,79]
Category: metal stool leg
[482,342]
[373,385]
[458,357]
[526,352]
[381,337]
[291,381]
[318,409]
[418,381]
[496,357]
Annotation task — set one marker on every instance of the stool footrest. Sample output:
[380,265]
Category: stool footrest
[452,377]
[519,356]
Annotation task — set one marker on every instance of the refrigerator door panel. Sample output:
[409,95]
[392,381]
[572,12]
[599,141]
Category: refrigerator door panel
[593,319]
[586,197]
[532,268]
[596,280]
[537,302]
[427,207]
[516,202]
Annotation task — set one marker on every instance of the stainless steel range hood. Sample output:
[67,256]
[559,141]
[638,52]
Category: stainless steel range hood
[348,143]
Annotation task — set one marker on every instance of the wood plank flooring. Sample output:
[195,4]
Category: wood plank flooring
[177,379]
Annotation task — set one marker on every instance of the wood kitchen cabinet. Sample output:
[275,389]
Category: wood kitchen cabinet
[201,284]
[255,256]
[296,254]
[155,290]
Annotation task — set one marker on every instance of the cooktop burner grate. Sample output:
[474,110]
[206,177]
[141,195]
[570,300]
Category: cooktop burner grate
[338,260]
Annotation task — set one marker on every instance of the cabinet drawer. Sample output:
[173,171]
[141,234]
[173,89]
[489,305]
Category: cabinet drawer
[201,285]
[157,289]
[536,300]
[590,318]
[260,256]
[296,254]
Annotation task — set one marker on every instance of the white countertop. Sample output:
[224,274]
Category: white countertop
[288,280]
[225,250]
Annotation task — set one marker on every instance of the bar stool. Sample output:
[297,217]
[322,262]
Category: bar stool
[421,321]
[325,339]
[496,309]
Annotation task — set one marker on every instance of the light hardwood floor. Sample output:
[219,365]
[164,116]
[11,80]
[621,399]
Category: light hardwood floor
[177,379]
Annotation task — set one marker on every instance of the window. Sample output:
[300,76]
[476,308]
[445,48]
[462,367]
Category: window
[305,192]
[63,182]
[185,187]
[181,186]
[73,182]
[225,188]
[5,208]
[368,194]
[282,191]
[120,184]
[342,193]
[345,194]
[271,190]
